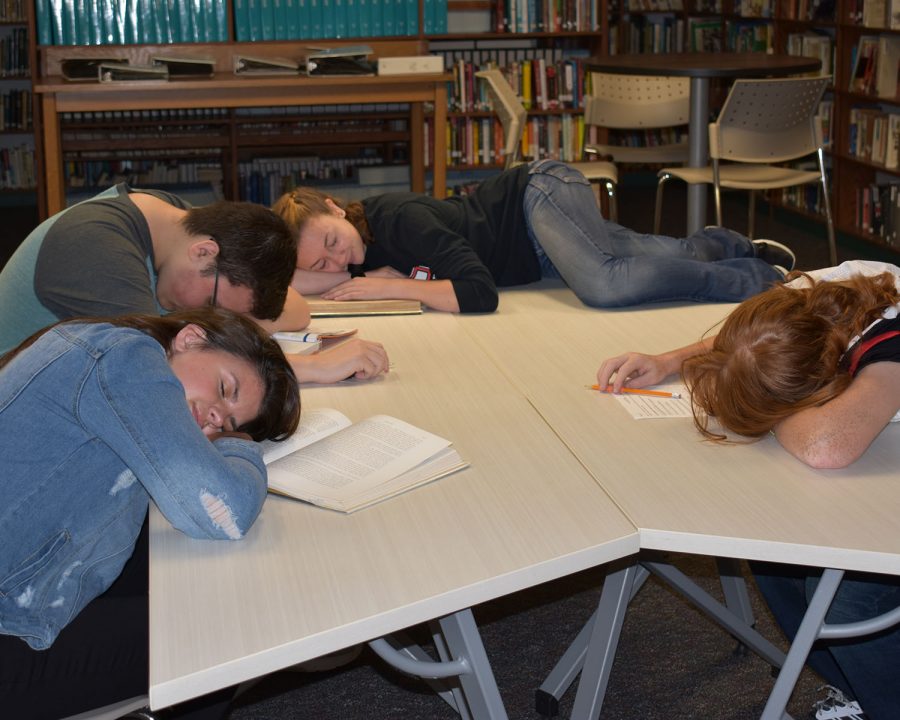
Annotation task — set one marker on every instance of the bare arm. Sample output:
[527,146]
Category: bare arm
[357,358]
[638,370]
[295,315]
[436,294]
[311,282]
[835,434]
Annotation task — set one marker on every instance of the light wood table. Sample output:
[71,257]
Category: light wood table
[227,91]
[701,67]
[749,501]
[306,582]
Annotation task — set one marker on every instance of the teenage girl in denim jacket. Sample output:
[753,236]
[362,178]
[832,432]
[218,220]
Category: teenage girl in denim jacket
[98,417]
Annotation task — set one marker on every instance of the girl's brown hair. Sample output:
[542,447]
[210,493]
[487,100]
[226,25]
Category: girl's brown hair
[780,352]
[229,332]
[302,204]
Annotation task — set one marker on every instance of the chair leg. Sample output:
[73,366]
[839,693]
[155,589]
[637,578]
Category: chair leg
[751,221]
[657,213]
[613,201]
[829,220]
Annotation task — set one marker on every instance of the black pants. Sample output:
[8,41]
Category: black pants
[98,659]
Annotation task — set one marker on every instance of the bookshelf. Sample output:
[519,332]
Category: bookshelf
[17,168]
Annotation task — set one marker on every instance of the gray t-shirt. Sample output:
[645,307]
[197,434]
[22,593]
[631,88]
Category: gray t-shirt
[93,259]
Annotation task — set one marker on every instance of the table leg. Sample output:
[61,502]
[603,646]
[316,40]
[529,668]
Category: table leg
[698,144]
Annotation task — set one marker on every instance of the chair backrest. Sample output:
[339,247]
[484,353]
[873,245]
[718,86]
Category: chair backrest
[509,109]
[637,101]
[769,120]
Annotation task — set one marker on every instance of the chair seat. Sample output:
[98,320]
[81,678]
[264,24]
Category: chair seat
[745,177]
[598,170]
[672,152]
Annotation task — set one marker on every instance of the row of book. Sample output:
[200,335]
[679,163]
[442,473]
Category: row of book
[17,168]
[875,13]
[878,211]
[15,110]
[874,136]
[525,16]
[654,6]
[540,85]
[875,60]
[13,11]
[116,22]
[318,19]
[264,180]
[813,10]
[670,34]
[755,8]
[14,53]
[474,142]
[136,172]
[805,197]
[813,44]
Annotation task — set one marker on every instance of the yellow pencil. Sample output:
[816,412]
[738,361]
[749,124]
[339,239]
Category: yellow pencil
[639,391]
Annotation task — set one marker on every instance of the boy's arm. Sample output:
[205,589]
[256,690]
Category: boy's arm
[294,316]
[835,434]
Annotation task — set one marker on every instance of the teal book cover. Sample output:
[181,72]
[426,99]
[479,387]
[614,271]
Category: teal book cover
[304,29]
[267,19]
[428,16]
[376,17]
[364,13]
[280,15]
[173,8]
[326,7]
[291,19]
[352,10]
[131,21]
[164,27]
[339,19]
[389,17]
[241,21]
[440,16]
[46,29]
[412,17]
[220,13]
[253,13]
[315,19]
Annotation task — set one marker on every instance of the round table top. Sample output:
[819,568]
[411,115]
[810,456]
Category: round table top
[704,64]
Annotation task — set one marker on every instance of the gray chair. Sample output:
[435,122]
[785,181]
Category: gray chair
[638,102]
[762,125]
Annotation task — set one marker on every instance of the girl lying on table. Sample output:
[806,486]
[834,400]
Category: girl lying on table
[817,362]
[98,417]
[533,221]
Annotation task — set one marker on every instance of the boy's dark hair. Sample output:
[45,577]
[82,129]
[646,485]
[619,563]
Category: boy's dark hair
[256,249]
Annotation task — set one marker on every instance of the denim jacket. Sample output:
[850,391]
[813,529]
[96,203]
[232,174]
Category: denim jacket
[93,424]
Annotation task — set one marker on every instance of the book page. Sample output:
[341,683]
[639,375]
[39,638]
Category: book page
[354,460]
[314,425]
[642,407]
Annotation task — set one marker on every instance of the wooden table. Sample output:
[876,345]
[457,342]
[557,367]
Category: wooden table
[747,501]
[306,581]
[552,465]
[225,90]
[700,67]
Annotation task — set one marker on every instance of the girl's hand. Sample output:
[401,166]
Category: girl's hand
[361,288]
[634,370]
[357,358]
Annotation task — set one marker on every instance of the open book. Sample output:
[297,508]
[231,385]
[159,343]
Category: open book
[319,308]
[343,466]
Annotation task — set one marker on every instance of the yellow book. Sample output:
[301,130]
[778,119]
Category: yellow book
[319,308]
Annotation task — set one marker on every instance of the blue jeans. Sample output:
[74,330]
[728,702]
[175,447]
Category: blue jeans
[607,265]
[866,667]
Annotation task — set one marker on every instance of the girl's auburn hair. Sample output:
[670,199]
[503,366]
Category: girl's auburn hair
[780,352]
[302,204]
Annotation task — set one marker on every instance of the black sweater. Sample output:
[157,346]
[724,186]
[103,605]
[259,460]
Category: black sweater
[478,241]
